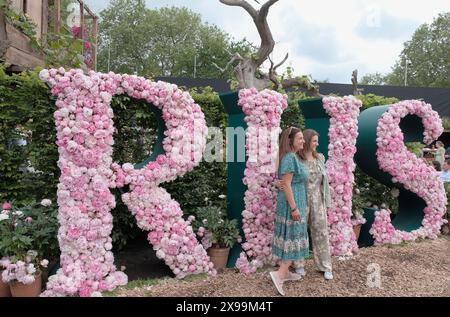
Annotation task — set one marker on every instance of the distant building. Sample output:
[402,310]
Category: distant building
[48,16]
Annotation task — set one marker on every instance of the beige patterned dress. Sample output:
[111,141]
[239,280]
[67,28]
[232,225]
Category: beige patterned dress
[317,217]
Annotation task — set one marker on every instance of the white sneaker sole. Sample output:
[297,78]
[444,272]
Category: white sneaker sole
[275,282]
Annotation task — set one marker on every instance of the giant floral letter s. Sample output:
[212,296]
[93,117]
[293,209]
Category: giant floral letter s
[409,172]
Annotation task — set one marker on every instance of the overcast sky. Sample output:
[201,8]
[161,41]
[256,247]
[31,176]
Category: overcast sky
[325,38]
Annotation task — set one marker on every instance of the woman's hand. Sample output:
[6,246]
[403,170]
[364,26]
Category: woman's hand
[279,184]
[296,215]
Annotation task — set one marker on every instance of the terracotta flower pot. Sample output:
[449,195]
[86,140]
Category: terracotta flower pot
[31,290]
[219,257]
[357,230]
[4,288]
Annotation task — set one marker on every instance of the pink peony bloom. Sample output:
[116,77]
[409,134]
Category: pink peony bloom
[6,206]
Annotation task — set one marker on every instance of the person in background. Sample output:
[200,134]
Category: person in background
[445,174]
[447,153]
[437,166]
[440,153]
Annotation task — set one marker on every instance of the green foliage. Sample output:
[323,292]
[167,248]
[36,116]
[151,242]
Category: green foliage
[416,148]
[427,56]
[63,50]
[20,21]
[292,116]
[223,231]
[371,193]
[135,39]
[60,50]
[27,172]
[373,79]
[29,227]
[446,123]
[372,100]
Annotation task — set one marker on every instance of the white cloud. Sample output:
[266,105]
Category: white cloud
[325,38]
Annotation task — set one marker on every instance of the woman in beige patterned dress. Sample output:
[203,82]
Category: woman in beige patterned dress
[318,202]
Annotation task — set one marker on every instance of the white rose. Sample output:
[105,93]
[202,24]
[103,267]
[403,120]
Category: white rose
[46,202]
[18,213]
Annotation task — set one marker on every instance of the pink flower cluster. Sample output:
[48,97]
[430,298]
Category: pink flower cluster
[343,133]
[171,236]
[263,112]
[21,271]
[358,220]
[410,171]
[85,128]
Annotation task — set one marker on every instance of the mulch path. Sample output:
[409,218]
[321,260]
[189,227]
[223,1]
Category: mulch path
[413,269]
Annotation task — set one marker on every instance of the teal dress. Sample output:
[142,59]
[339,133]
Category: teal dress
[290,241]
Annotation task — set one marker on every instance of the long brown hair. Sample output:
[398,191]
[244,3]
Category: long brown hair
[287,142]
[308,135]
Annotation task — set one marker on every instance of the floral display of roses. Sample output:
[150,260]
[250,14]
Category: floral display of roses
[414,174]
[263,112]
[85,128]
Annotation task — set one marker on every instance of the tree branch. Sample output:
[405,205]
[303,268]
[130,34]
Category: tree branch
[273,71]
[243,4]
[235,57]
[267,42]
[282,62]
[260,20]
[273,75]
[301,82]
[264,11]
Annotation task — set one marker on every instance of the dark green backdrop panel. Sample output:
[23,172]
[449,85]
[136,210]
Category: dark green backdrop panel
[158,148]
[236,188]
[410,214]
[317,119]
[365,238]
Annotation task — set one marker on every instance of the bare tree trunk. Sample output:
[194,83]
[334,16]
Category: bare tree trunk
[247,70]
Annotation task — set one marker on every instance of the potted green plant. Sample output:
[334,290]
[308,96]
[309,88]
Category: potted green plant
[217,233]
[25,235]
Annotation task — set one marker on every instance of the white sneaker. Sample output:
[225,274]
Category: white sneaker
[328,275]
[293,277]
[277,282]
[300,271]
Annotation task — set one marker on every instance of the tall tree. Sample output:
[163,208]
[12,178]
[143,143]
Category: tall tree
[373,79]
[164,42]
[425,59]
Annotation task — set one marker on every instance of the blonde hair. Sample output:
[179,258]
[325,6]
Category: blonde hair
[439,143]
[287,142]
[308,135]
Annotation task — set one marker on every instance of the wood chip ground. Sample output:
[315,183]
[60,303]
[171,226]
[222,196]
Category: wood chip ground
[413,269]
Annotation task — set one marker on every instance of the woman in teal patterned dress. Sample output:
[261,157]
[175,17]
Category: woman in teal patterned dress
[290,241]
